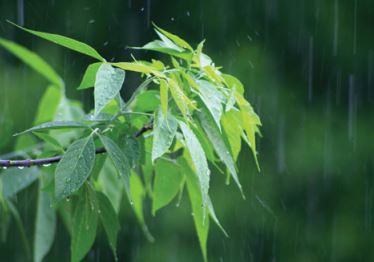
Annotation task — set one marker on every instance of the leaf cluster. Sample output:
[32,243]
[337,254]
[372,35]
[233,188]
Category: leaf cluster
[199,117]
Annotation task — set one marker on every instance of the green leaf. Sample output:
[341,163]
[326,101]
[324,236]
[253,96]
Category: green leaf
[213,100]
[138,67]
[45,225]
[48,105]
[162,47]
[108,83]
[33,60]
[232,127]
[13,180]
[137,196]
[167,183]
[75,167]
[109,220]
[111,184]
[165,128]
[131,148]
[54,125]
[219,144]
[89,76]
[49,140]
[67,42]
[164,96]
[194,192]
[180,98]
[120,161]
[199,161]
[84,226]
[176,39]
[147,101]
[233,83]
[250,122]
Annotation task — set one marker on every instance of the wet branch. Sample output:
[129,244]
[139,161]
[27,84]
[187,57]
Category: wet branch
[51,160]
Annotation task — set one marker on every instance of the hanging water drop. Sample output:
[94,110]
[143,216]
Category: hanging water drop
[21,167]
[47,165]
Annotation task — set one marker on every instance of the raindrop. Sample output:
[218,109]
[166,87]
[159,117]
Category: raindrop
[172,19]
[91,21]
[142,9]
[188,13]
[21,167]
[47,165]
[20,12]
[99,211]
[105,44]
[68,199]
[4,167]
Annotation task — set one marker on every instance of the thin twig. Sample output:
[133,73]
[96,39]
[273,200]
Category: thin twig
[51,160]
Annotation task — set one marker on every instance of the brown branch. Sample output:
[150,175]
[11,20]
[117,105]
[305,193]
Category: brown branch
[51,160]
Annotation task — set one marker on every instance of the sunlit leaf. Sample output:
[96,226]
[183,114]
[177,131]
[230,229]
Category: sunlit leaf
[176,39]
[75,167]
[231,124]
[164,96]
[108,83]
[162,47]
[67,42]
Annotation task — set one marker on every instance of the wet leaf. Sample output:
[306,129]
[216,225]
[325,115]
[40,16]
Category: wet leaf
[165,128]
[120,161]
[84,226]
[74,168]
[199,161]
[108,83]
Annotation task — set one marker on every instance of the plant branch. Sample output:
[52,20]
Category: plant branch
[51,160]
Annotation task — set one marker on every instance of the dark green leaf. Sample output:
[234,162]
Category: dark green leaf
[109,220]
[14,180]
[75,167]
[84,226]
[120,161]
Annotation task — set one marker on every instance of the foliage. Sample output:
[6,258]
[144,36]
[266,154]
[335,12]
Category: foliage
[199,117]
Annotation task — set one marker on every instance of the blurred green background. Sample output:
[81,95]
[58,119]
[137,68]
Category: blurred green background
[308,68]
